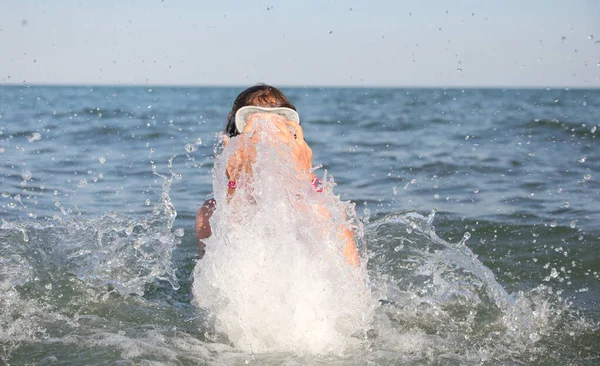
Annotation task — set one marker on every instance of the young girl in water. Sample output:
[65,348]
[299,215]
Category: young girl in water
[255,104]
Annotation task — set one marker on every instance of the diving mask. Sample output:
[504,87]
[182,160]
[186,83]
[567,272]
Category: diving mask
[244,114]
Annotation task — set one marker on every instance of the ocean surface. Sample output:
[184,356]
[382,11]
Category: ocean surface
[478,211]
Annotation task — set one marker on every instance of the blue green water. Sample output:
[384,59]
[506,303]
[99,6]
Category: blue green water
[100,186]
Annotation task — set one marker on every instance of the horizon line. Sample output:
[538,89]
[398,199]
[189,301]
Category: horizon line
[294,86]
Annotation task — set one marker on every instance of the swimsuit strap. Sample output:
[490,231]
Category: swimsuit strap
[318,184]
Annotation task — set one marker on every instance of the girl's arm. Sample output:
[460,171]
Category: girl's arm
[203,230]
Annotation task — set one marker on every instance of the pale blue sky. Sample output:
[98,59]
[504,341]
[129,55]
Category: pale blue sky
[304,43]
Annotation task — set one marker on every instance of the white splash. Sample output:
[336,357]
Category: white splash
[274,275]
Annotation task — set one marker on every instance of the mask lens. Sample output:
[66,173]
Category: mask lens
[245,114]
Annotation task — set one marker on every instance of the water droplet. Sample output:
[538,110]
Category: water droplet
[102,160]
[582,160]
[48,286]
[198,141]
[398,248]
[26,175]
[476,191]
[150,106]
[591,36]
[553,223]
[431,216]
[190,148]
[35,61]
[553,273]
[594,128]
[178,232]
[436,196]
[587,177]
[573,224]
[148,202]
[82,183]
[395,190]
[566,205]
[466,236]
[467,137]
[34,137]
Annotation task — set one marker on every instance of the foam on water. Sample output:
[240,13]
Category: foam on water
[63,278]
[444,304]
[109,250]
[274,276]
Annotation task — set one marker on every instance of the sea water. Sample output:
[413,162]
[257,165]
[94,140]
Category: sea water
[476,213]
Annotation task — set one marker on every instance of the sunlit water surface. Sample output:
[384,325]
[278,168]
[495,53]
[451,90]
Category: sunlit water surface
[476,215]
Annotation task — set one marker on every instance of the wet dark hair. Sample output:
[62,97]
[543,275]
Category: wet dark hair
[260,95]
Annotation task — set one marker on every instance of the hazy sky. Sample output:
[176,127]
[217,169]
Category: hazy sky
[306,42]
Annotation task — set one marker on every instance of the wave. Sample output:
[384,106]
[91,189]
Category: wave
[581,129]
[444,304]
[97,112]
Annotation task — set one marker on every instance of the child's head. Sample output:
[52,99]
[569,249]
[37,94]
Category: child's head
[260,95]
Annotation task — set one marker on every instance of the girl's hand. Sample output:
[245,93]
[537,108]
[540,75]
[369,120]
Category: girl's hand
[240,163]
[288,133]
[292,135]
